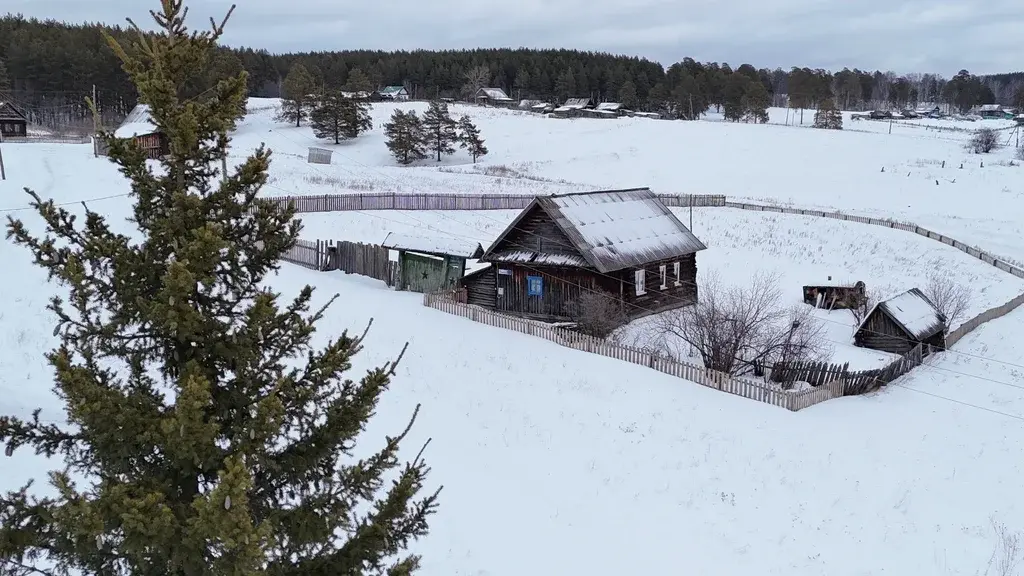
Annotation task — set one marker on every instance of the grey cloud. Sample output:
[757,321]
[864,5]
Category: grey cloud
[899,35]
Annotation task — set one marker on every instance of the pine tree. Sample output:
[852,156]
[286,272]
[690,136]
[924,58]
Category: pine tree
[627,95]
[733,93]
[828,116]
[205,435]
[297,94]
[406,138]
[565,86]
[469,138]
[5,80]
[756,102]
[358,81]
[439,129]
[336,116]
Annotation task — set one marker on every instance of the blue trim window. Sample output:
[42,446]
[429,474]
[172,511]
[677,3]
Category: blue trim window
[534,285]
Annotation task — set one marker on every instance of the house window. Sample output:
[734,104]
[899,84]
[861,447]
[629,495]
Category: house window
[677,272]
[663,269]
[640,282]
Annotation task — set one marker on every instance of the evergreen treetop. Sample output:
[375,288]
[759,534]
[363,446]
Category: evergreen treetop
[206,436]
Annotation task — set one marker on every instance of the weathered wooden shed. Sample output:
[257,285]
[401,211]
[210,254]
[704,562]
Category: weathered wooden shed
[13,124]
[139,126]
[900,323]
[626,243]
[430,264]
[835,296]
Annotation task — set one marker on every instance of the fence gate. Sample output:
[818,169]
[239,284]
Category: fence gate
[319,156]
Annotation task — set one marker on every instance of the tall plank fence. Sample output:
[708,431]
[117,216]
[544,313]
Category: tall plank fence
[349,257]
[829,381]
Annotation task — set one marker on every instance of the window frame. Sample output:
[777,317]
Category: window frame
[663,271]
[677,268]
[640,281]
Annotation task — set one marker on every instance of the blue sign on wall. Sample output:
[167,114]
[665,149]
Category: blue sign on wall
[534,286]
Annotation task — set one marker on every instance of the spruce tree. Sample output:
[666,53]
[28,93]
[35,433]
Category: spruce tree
[406,138]
[204,434]
[297,94]
[469,138]
[440,129]
[756,102]
[733,93]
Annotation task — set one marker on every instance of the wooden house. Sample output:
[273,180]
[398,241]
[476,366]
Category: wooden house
[13,124]
[430,264]
[396,93]
[572,108]
[139,126]
[625,243]
[493,97]
[899,324]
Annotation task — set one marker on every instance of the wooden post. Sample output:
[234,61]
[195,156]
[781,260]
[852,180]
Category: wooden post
[401,271]
[3,173]
[95,124]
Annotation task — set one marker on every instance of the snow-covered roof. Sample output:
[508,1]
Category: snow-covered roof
[610,106]
[356,95]
[393,90]
[434,245]
[492,94]
[990,108]
[611,230]
[576,103]
[914,313]
[9,112]
[137,123]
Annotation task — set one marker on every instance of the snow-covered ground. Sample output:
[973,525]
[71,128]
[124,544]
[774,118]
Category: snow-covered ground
[560,453]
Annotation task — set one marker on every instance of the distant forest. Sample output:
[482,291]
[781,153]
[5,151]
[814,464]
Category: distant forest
[47,68]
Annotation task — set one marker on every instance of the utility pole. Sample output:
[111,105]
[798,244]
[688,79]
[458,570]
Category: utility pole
[3,173]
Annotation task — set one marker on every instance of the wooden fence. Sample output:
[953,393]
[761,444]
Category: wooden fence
[349,257]
[384,201]
[867,380]
[447,302]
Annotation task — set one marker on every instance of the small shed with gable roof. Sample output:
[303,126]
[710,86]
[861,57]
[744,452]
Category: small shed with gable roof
[13,123]
[428,264]
[625,243]
[139,125]
[899,324]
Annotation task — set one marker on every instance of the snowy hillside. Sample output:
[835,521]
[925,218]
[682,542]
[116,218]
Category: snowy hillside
[560,462]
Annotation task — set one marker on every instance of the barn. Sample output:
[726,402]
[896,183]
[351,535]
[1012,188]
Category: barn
[899,324]
[140,126]
[430,264]
[625,243]
[13,123]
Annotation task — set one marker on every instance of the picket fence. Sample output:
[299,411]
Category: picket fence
[386,201]
[446,301]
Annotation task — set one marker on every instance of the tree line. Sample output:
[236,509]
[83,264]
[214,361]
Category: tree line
[51,66]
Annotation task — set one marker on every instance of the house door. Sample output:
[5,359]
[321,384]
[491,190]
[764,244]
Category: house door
[505,287]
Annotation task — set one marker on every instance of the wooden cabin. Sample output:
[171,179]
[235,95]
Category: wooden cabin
[626,243]
[139,126]
[835,296]
[13,124]
[430,264]
[573,108]
[899,324]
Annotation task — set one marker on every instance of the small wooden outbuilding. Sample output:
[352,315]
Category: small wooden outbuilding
[13,124]
[139,126]
[625,243]
[430,264]
[835,296]
[493,97]
[900,323]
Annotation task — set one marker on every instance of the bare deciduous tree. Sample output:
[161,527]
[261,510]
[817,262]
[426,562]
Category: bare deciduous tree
[734,329]
[477,78]
[950,298]
[597,314]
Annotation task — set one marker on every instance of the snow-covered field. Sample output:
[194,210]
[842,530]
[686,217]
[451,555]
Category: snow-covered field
[559,462]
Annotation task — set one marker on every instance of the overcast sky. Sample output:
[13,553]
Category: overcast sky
[942,36]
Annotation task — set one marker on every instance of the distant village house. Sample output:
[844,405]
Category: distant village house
[572,108]
[625,243]
[13,124]
[493,97]
[395,93]
[139,125]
